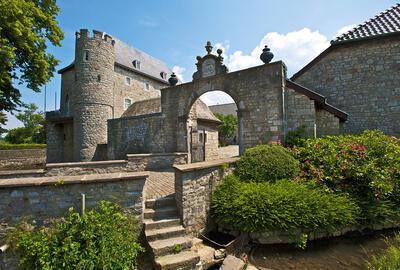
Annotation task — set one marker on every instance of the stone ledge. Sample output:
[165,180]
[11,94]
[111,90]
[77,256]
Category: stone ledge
[67,180]
[206,164]
[84,164]
[155,154]
[21,172]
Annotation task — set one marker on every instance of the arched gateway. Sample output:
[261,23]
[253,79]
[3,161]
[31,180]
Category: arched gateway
[269,105]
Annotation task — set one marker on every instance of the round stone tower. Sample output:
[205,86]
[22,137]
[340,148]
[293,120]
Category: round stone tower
[93,93]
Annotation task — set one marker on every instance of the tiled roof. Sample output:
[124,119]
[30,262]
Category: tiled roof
[386,22]
[125,55]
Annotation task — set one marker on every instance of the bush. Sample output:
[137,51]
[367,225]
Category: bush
[267,163]
[280,206]
[103,238]
[389,259]
[8,146]
[296,137]
[367,166]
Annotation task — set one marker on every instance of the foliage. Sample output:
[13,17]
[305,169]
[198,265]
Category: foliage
[26,27]
[367,166]
[3,121]
[267,163]
[296,137]
[389,259]
[33,130]
[103,238]
[228,129]
[178,248]
[7,146]
[280,206]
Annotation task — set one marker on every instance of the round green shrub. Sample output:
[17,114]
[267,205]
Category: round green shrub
[267,163]
[281,206]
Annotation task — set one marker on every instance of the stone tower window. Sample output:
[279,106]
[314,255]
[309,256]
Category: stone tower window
[128,81]
[146,86]
[137,64]
[85,55]
[127,103]
[99,78]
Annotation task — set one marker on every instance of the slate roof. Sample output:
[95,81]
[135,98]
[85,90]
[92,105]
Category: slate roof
[153,105]
[386,22]
[124,57]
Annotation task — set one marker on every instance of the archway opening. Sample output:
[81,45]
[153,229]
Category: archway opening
[213,127]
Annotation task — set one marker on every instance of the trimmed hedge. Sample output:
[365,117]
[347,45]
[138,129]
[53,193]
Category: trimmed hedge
[9,146]
[267,163]
[280,206]
[103,238]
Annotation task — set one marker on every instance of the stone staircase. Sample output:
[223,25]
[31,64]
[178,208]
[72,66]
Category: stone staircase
[166,236]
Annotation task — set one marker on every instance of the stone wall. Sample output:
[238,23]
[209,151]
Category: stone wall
[360,78]
[155,161]
[300,112]
[46,198]
[327,123]
[194,184]
[22,159]
[135,134]
[90,167]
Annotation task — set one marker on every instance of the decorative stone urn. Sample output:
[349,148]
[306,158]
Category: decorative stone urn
[266,56]
[173,80]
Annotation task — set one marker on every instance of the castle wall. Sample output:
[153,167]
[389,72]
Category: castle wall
[327,123]
[136,134]
[68,89]
[136,91]
[362,79]
[300,112]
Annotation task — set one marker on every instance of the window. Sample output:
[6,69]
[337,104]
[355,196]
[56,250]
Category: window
[85,55]
[128,81]
[163,75]
[146,86]
[67,105]
[202,136]
[127,103]
[136,64]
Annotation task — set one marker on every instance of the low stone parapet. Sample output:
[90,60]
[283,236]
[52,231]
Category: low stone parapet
[155,161]
[194,184]
[90,167]
[22,159]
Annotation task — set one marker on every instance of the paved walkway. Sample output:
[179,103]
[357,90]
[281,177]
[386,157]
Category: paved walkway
[162,183]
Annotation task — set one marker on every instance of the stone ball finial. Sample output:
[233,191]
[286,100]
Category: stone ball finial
[173,80]
[219,51]
[208,47]
[198,58]
[266,56]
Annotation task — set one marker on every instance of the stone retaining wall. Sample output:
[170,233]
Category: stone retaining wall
[22,159]
[194,184]
[45,198]
[90,167]
[155,161]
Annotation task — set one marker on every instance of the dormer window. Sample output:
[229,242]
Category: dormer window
[85,55]
[163,75]
[136,64]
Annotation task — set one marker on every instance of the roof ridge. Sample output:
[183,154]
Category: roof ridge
[385,22]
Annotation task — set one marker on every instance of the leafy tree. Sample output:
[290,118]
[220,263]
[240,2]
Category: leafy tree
[228,129]
[3,121]
[33,129]
[25,28]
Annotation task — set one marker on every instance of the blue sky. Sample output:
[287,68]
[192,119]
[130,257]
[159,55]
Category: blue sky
[176,31]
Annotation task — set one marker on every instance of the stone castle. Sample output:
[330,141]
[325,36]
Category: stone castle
[351,86]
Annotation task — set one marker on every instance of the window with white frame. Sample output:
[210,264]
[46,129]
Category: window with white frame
[128,80]
[146,86]
[127,103]
[163,75]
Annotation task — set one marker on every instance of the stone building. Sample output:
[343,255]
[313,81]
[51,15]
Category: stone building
[360,74]
[105,78]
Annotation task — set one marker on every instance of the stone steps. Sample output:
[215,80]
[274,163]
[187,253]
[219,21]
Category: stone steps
[166,236]
[185,260]
[164,233]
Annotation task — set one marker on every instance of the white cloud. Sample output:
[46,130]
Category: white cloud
[344,29]
[295,49]
[179,72]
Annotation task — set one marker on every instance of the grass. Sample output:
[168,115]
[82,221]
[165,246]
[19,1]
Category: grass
[389,259]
